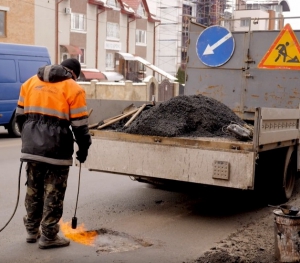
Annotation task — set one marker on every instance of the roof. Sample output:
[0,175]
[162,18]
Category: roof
[25,50]
[89,74]
[113,76]
[73,50]
[128,56]
[100,4]
[134,4]
[128,7]
[158,70]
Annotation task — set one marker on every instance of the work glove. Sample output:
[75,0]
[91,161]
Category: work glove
[81,155]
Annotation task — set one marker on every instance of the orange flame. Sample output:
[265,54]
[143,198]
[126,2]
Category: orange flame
[79,235]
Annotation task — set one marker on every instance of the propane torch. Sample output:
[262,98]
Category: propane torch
[74,218]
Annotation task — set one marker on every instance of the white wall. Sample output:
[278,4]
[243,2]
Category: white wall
[150,36]
[101,41]
[123,32]
[45,25]
[90,59]
[64,27]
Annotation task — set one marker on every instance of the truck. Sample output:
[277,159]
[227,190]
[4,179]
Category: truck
[18,63]
[265,96]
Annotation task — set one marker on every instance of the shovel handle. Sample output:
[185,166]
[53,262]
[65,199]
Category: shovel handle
[117,119]
[135,115]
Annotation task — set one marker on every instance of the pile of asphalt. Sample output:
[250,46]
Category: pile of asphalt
[183,116]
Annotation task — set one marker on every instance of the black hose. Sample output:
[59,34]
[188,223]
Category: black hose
[74,219]
[17,198]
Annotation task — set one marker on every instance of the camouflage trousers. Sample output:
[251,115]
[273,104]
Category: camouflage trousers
[46,186]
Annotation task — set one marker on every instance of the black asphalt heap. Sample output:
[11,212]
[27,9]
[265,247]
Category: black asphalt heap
[184,116]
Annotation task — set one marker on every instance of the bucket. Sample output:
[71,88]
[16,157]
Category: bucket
[287,237]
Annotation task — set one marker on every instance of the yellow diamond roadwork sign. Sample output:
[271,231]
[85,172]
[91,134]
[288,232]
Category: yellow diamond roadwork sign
[284,52]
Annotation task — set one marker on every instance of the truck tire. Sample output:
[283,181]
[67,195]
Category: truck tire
[276,173]
[289,173]
[13,129]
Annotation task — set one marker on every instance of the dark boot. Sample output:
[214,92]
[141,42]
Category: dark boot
[32,238]
[57,241]
[32,234]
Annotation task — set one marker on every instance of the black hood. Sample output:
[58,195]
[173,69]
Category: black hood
[53,73]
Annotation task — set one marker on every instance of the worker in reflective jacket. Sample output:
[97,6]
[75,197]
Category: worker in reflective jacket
[51,111]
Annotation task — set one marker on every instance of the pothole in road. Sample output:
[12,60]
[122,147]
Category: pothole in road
[104,240]
[109,241]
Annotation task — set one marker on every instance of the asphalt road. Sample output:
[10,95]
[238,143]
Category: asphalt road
[140,223]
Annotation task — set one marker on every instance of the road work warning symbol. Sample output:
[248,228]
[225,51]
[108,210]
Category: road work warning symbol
[284,52]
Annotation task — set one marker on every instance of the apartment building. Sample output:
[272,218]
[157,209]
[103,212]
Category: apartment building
[99,33]
[259,15]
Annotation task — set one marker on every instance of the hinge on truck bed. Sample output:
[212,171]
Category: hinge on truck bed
[221,170]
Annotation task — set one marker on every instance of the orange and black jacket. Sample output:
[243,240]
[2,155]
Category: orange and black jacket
[51,103]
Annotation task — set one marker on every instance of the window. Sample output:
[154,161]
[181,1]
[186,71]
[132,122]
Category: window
[2,23]
[187,10]
[252,6]
[109,60]
[64,56]
[186,13]
[185,38]
[81,58]
[140,37]
[141,67]
[112,30]
[8,72]
[78,22]
[245,22]
[141,10]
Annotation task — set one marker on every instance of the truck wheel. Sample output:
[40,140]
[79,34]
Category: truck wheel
[289,173]
[276,175]
[13,129]
[283,176]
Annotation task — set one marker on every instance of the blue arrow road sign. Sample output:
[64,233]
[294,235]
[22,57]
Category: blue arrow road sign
[215,46]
